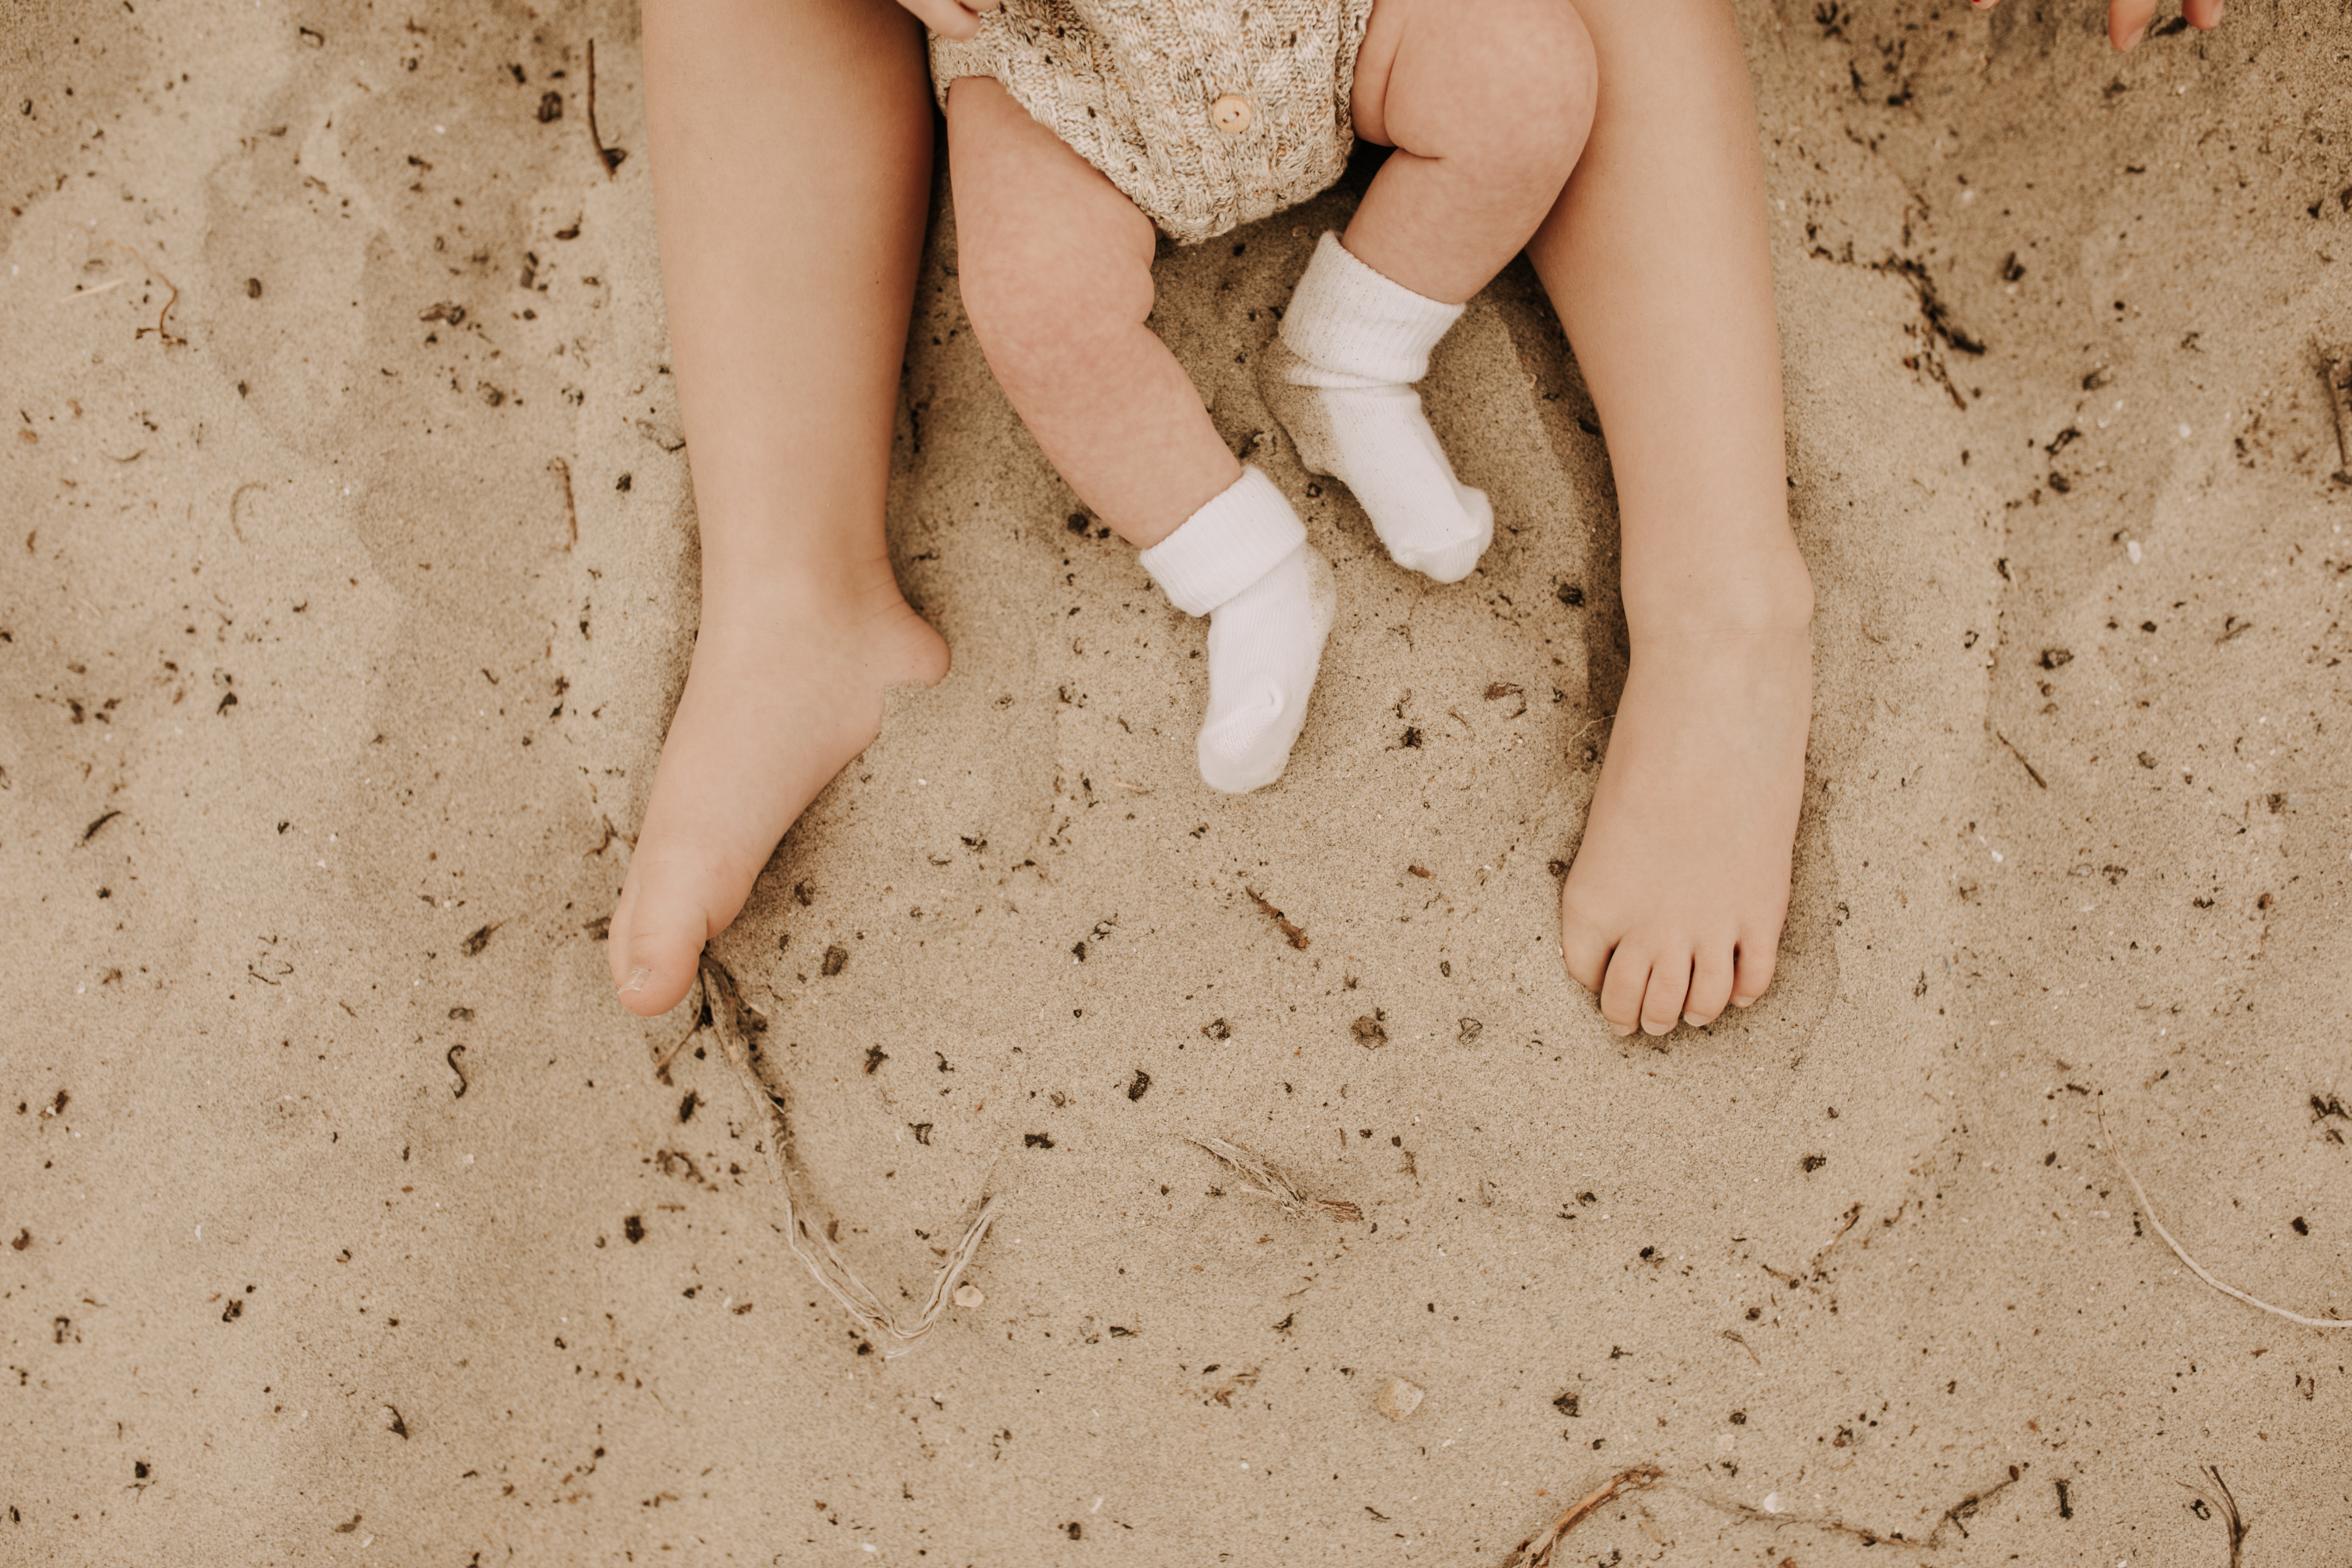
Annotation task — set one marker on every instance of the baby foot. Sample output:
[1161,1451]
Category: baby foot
[1339,377]
[786,688]
[1242,560]
[1264,645]
[1674,904]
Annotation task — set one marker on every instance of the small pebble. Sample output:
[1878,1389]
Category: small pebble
[1397,1399]
[969,1295]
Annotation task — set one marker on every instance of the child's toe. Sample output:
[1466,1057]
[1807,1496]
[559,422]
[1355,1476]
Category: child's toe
[656,946]
[1757,958]
[1711,987]
[617,936]
[1623,987]
[1584,949]
[1663,997]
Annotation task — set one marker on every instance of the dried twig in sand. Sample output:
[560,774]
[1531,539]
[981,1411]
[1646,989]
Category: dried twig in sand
[663,1058]
[771,1110]
[2335,365]
[1955,1516]
[2194,1267]
[2031,771]
[1292,932]
[610,157]
[1272,1182]
[1812,1521]
[1535,1551]
[2227,1507]
[1852,1216]
[563,470]
[1587,727]
[161,329]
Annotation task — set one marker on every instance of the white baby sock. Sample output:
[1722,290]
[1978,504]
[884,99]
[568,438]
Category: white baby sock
[1339,377]
[1242,560]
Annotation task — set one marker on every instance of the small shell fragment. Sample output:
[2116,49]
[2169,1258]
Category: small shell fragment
[969,1295]
[1397,1399]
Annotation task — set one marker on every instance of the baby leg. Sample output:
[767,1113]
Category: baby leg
[1488,103]
[1657,260]
[1056,266]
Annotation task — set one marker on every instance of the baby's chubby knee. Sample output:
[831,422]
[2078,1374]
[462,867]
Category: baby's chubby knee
[1043,323]
[1543,81]
[1050,256]
[1508,85]
[1043,305]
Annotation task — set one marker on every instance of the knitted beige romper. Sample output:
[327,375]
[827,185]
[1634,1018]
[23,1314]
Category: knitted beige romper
[1207,113]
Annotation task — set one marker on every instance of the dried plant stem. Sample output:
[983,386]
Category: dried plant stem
[771,1110]
[2226,1505]
[1535,1551]
[608,157]
[161,329]
[1851,1217]
[2031,771]
[1271,1183]
[2336,367]
[563,470]
[1868,1536]
[1955,1516]
[2181,1252]
[669,1053]
[1588,726]
[1292,932]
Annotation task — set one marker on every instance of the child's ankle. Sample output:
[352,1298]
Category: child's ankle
[1769,593]
[833,586]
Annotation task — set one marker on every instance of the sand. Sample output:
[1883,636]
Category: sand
[350,580]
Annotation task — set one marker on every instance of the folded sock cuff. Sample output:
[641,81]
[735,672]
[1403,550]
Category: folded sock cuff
[1346,317]
[1237,538]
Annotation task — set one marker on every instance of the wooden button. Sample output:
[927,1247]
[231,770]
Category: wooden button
[1230,114]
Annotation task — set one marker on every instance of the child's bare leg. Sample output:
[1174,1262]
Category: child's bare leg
[1488,103]
[792,153]
[1056,265]
[1657,260]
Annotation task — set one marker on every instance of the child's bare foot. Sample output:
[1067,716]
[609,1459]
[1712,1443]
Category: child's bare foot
[786,687]
[1674,903]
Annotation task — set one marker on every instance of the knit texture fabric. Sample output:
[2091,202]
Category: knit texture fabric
[1266,644]
[1242,560]
[1350,320]
[1225,546]
[1339,377]
[1131,85]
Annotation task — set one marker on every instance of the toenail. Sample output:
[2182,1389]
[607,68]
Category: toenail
[1621,1030]
[1694,1021]
[637,978]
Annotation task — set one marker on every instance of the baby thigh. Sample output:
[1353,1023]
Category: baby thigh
[1488,103]
[1056,269]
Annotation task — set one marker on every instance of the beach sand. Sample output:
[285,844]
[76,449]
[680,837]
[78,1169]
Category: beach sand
[349,579]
